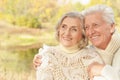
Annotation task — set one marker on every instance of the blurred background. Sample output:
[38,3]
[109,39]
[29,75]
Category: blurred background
[25,25]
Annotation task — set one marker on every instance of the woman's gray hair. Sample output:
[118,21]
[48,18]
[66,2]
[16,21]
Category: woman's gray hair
[84,41]
[107,12]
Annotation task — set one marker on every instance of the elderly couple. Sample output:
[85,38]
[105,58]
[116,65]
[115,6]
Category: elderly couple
[72,59]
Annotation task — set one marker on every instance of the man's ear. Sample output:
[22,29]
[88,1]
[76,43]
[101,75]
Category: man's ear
[112,28]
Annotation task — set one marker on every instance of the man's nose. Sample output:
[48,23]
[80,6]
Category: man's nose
[91,31]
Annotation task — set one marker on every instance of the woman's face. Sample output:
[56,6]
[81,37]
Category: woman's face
[70,32]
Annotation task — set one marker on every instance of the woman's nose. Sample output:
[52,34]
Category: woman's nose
[67,32]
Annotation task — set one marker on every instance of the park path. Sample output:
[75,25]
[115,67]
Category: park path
[10,30]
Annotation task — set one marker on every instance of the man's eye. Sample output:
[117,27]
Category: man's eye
[86,27]
[95,25]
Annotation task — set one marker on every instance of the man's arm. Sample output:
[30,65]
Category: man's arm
[37,60]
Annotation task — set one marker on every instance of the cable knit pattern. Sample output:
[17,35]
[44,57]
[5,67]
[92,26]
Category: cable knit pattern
[63,66]
[108,54]
[111,56]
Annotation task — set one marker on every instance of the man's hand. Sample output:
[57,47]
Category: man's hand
[95,69]
[37,60]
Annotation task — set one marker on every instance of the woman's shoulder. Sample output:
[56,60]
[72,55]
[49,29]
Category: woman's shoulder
[47,49]
[91,52]
[91,55]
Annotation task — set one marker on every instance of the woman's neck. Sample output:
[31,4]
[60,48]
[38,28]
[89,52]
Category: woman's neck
[71,49]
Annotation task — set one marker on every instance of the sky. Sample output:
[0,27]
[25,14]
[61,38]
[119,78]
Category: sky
[84,2]
[81,1]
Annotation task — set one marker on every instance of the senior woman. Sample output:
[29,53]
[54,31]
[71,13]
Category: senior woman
[70,58]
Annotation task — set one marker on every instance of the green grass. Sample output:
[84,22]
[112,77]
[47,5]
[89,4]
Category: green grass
[17,65]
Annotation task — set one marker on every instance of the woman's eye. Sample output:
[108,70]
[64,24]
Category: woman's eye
[74,29]
[63,26]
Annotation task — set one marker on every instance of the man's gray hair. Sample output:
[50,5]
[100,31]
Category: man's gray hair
[107,12]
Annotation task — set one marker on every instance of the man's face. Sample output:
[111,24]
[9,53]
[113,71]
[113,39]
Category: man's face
[98,31]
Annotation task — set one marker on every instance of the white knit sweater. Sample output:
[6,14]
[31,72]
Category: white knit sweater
[64,65]
[111,56]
